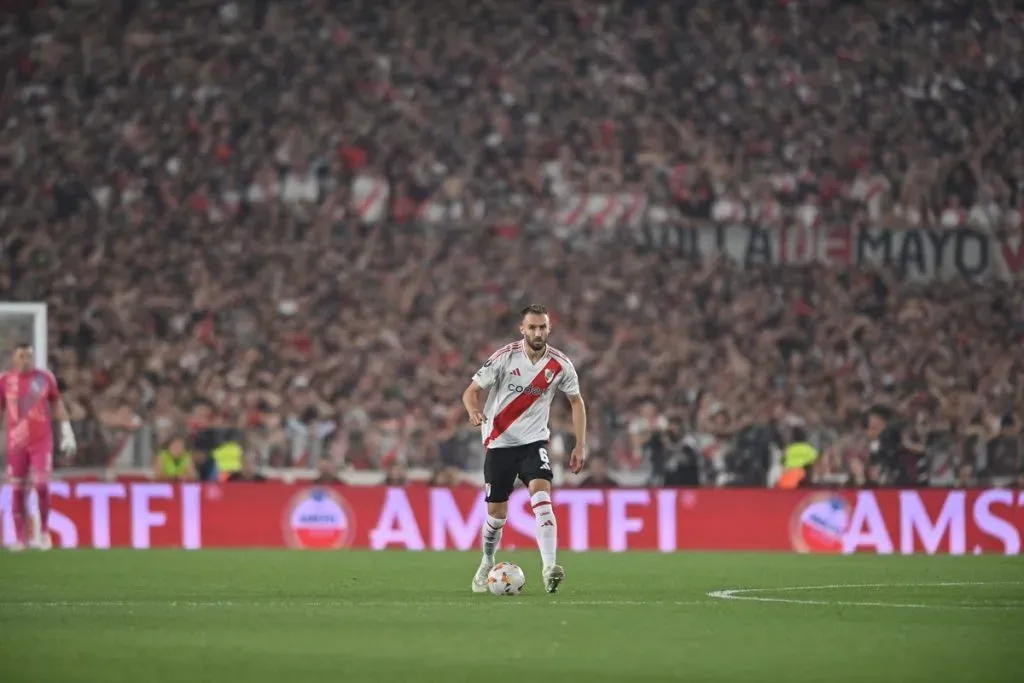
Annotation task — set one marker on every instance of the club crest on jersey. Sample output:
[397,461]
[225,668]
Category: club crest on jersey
[548,376]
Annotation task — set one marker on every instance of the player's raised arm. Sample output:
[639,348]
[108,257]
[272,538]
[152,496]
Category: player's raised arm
[571,388]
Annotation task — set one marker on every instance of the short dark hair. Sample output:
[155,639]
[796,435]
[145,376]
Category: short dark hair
[23,345]
[880,411]
[536,309]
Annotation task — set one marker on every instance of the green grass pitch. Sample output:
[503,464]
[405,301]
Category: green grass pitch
[262,616]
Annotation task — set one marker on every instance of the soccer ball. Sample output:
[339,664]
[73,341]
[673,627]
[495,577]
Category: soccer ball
[506,578]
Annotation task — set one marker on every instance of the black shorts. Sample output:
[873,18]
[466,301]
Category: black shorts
[503,465]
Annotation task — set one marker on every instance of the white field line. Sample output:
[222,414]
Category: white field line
[405,604]
[749,594]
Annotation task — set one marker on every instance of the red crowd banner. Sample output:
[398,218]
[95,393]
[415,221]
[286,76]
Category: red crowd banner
[135,514]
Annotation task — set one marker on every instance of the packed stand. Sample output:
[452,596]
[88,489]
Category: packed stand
[176,182]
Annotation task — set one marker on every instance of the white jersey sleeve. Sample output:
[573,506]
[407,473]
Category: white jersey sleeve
[491,371]
[570,381]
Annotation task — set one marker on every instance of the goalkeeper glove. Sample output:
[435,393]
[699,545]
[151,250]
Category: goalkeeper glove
[67,439]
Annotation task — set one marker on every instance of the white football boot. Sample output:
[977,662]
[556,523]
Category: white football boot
[553,578]
[480,578]
[40,539]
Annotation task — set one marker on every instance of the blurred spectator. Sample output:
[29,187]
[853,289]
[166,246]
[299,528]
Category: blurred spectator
[250,471]
[298,227]
[457,445]
[683,465]
[1004,465]
[229,455]
[326,472]
[205,466]
[889,457]
[645,431]
[174,462]
[798,460]
[396,475]
[446,477]
[752,453]
[596,475]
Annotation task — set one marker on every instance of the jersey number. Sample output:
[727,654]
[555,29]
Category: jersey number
[545,462]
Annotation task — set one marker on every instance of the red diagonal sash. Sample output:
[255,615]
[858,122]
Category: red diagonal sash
[521,403]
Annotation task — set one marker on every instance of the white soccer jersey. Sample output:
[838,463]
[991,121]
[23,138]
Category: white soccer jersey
[518,406]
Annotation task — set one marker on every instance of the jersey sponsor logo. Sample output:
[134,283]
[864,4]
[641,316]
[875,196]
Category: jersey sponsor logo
[531,390]
[318,518]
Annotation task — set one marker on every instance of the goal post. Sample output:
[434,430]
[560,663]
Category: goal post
[21,322]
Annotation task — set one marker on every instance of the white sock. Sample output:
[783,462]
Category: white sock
[491,536]
[547,527]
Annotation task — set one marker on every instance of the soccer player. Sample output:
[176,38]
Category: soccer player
[30,399]
[522,378]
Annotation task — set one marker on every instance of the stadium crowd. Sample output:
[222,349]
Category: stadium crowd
[176,182]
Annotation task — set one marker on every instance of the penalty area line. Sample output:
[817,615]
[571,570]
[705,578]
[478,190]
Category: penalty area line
[753,595]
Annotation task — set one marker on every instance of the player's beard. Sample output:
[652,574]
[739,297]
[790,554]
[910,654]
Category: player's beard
[537,344]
